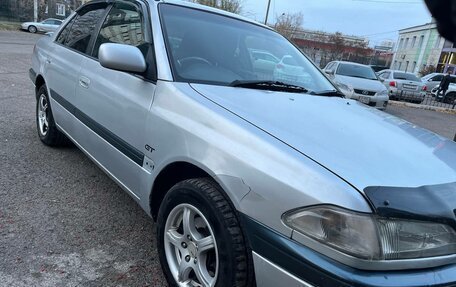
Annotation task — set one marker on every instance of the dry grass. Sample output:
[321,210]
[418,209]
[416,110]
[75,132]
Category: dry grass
[9,26]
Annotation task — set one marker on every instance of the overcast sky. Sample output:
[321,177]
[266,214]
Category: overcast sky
[375,19]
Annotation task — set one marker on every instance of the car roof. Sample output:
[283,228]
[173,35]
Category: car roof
[352,63]
[53,19]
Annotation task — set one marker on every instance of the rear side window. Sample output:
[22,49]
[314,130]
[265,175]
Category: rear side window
[80,30]
[437,78]
[123,25]
[405,76]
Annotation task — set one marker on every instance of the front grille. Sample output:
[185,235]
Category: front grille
[364,92]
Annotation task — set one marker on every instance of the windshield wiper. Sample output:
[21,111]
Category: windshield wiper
[269,85]
[328,93]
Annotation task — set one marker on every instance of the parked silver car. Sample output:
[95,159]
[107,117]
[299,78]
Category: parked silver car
[270,182]
[433,80]
[48,25]
[361,79]
[403,86]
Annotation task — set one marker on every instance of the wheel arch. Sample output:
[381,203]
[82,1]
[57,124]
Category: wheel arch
[39,81]
[168,177]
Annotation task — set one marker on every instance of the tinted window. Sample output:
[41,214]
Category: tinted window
[385,75]
[82,28]
[209,48]
[356,71]
[62,36]
[405,76]
[57,22]
[48,22]
[123,25]
[437,78]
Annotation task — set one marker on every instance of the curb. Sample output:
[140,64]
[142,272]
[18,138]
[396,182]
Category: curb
[423,107]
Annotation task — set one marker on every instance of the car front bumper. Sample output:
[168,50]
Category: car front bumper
[281,261]
[379,102]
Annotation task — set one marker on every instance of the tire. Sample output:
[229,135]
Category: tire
[202,200]
[32,29]
[47,130]
[449,98]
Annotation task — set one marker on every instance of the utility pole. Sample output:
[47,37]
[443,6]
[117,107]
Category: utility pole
[35,10]
[267,13]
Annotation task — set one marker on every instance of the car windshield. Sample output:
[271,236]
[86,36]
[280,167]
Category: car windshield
[356,71]
[209,48]
[405,76]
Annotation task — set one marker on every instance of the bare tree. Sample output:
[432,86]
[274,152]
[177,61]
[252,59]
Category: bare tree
[338,46]
[233,6]
[288,24]
[428,69]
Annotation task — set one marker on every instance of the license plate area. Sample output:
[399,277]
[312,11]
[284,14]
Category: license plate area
[364,100]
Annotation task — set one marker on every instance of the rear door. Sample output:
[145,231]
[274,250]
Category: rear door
[63,64]
[114,104]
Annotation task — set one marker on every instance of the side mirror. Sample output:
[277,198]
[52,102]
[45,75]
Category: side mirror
[329,72]
[122,58]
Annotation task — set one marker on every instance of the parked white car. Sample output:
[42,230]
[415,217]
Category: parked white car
[361,79]
[289,70]
[263,61]
[48,25]
[433,80]
[450,95]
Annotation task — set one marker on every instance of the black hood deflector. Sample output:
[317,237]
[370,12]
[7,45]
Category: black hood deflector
[435,203]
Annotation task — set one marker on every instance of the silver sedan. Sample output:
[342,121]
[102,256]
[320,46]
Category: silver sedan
[48,25]
[403,86]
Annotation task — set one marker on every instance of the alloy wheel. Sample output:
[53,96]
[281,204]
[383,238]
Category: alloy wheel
[190,247]
[43,115]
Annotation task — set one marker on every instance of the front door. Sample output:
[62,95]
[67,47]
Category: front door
[114,104]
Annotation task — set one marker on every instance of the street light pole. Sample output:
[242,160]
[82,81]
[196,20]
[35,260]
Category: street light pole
[35,10]
[267,13]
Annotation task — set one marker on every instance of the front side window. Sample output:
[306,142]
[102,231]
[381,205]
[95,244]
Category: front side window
[123,25]
[48,22]
[82,28]
[209,48]
[357,71]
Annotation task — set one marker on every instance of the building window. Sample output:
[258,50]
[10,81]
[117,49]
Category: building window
[406,43]
[413,67]
[413,42]
[437,42]
[401,43]
[420,45]
[406,66]
[60,9]
[400,65]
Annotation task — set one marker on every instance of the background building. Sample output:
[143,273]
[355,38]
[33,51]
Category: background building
[324,47]
[23,10]
[447,60]
[418,47]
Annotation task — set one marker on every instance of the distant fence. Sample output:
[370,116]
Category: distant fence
[448,102]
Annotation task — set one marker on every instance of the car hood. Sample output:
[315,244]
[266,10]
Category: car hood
[362,145]
[361,84]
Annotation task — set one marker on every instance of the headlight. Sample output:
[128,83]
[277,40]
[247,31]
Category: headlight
[369,237]
[345,89]
[383,93]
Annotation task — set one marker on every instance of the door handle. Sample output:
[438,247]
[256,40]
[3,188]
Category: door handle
[84,82]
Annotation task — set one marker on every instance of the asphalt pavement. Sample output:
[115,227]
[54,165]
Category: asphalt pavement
[63,222]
